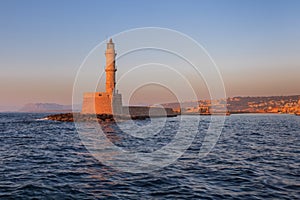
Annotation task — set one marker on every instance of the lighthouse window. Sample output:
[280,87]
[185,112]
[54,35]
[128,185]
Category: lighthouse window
[110,46]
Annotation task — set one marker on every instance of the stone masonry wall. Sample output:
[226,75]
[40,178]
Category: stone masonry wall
[97,102]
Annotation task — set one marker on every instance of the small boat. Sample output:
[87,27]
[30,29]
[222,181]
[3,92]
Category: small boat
[297,114]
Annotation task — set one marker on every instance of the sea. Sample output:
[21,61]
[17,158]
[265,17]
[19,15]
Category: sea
[254,157]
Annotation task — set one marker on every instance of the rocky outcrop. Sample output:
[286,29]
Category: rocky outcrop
[78,117]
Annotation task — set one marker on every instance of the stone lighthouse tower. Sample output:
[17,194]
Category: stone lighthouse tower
[110,68]
[110,101]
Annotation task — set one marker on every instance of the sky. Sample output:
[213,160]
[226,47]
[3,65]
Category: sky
[255,44]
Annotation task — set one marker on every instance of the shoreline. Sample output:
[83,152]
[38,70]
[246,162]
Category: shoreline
[79,117]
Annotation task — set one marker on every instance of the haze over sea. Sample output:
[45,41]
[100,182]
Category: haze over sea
[256,157]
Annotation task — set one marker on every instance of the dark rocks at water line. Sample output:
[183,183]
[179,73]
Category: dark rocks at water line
[78,117]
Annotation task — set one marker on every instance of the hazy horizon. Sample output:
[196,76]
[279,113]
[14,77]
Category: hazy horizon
[136,103]
[255,44]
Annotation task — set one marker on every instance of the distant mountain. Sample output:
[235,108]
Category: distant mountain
[48,107]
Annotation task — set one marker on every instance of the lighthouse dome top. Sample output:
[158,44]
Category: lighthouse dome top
[110,44]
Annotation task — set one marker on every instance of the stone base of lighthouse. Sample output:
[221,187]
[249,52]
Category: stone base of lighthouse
[102,103]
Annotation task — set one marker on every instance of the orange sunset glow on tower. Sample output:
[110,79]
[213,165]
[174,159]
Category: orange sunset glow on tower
[110,69]
[110,101]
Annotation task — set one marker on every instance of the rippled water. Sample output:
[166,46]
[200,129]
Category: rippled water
[256,157]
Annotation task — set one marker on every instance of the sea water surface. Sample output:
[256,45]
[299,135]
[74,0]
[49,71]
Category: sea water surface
[256,157]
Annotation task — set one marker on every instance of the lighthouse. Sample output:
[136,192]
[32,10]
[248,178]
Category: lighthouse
[110,101]
[110,67]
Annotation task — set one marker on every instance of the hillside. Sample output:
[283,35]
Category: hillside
[270,104]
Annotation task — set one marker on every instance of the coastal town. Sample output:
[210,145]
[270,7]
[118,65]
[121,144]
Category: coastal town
[235,105]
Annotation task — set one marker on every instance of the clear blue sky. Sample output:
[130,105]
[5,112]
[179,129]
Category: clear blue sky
[256,44]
